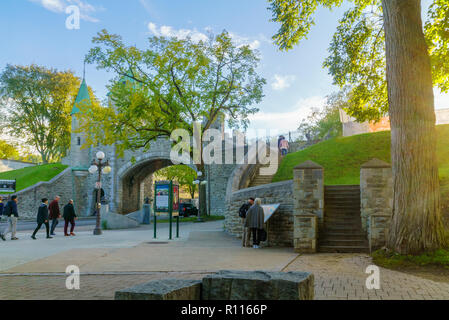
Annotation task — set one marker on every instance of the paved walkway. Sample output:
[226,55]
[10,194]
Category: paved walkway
[120,259]
[343,277]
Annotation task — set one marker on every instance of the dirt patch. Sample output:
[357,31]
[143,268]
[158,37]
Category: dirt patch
[435,273]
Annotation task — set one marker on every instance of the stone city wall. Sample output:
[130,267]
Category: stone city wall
[29,199]
[280,225]
[376,187]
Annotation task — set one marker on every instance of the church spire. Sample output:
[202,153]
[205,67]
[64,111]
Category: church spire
[83,94]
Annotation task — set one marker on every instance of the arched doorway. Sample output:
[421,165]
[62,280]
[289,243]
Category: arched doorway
[135,182]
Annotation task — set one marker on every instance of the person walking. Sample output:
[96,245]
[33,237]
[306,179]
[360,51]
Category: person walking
[242,213]
[284,147]
[2,206]
[69,217]
[55,214]
[255,219]
[42,218]
[10,210]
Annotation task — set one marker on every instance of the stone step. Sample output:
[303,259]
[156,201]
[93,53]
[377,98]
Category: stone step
[342,187]
[343,242]
[344,249]
[347,229]
[344,235]
[342,200]
[337,219]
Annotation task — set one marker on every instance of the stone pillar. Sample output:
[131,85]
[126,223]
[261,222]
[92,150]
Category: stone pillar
[308,205]
[376,194]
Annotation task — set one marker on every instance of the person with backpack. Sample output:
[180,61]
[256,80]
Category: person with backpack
[242,214]
[10,210]
[69,217]
[42,218]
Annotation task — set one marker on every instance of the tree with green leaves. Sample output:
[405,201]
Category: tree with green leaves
[8,151]
[182,174]
[383,51]
[324,123]
[35,106]
[170,85]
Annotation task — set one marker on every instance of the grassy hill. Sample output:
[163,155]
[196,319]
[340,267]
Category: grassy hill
[29,176]
[342,158]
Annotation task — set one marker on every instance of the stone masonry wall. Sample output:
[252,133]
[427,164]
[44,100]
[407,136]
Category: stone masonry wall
[376,187]
[29,199]
[280,225]
[308,205]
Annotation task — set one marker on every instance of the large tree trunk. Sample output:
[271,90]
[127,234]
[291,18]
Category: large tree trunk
[416,222]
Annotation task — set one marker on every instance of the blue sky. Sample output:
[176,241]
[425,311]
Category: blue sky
[33,31]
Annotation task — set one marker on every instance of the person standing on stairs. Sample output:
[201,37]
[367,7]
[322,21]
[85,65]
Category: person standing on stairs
[283,145]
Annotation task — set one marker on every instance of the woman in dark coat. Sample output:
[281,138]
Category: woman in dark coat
[69,217]
[255,220]
[42,218]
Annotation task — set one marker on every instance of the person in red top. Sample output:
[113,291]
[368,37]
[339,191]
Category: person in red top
[54,215]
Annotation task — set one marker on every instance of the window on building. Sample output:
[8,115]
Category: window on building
[79,141]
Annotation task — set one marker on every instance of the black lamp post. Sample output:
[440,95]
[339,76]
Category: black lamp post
[100,167]
[200,181]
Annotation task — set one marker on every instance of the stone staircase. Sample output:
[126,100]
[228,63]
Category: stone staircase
[342,229]
[260,180]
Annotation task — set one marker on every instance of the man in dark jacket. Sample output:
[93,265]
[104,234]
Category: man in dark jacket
[2,206]
[242,213]
[42,218]
[69,217]
[55,214]
[12,213]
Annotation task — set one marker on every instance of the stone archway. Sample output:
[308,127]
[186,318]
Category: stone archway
[134,180]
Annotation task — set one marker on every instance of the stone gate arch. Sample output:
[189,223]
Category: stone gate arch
[134,179]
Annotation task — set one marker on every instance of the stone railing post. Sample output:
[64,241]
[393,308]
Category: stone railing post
[376,194]
[308,205]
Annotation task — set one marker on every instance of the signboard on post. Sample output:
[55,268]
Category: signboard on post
[166,200]
[7,185]
[162,195]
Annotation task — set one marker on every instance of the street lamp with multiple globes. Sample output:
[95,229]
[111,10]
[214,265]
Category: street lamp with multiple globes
[200,181]
[100,167]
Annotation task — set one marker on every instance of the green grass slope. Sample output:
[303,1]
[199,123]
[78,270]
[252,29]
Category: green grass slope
[342,157]
[30,176]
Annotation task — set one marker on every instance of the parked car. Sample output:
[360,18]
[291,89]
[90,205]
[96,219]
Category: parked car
[187,209]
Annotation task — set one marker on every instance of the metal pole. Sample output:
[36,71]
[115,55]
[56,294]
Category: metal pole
[154,212]
[177,226]
[170,210]
[155,230]
[97,230]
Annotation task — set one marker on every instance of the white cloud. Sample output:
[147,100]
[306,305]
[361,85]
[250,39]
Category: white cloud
[168,31]
[288,120]
[59,6]
[282,82]
[196,35]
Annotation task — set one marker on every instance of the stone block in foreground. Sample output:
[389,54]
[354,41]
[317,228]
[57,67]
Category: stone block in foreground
[167,289]
[258,285]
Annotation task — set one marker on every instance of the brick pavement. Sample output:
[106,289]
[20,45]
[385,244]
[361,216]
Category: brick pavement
[342,276]
[92,287]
